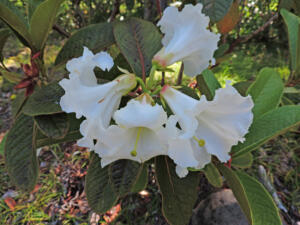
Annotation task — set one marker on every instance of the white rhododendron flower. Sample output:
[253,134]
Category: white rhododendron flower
[84,65]
[217,125]
[186,39]
[138,134]
[95,102]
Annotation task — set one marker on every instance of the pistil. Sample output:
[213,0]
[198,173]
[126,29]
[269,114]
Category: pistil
[134,151]
[201,142]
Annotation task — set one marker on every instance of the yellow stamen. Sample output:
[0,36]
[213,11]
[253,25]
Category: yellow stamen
[201,142]
[134,151]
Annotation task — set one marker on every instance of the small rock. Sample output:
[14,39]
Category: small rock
[220,208]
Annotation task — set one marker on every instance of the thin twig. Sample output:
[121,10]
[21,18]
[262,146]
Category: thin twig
[60,30]
[158,6]
[114,11]
[163,79]
[180,75]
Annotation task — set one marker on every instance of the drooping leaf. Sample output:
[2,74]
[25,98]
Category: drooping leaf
[221,50]
[98,187]
[231,19]
[73,133]
[54,126]
[213,175]
[141,181]
[178,194]
[215,9]
[266,91]
[138,41]
[4,34]
[208,84]
[293,24]
[267,127]
[44,101]
[42,21]
[255,201]
[20,154]
[14,19]
[242,161]
[96,37]
[124,174]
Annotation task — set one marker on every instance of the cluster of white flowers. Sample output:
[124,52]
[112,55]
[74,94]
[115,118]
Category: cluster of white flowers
[142,129]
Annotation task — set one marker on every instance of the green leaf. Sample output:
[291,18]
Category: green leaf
[2,144]
[17,104]
[255,201]
[138,41]
[96,37]
[54,126]
[208,84]
[14,19]
[293,23]
[216,9]
[73,133]
[42,21]
[242,161]
[20,154]
[98,187]
[31,6]
[4,34]
[267,127]
[141,181]
[44,101]
[11,76]
[123,174]
[213,175]
[178,194]
[221,50]
[242,87]
[114,72]
[266,91]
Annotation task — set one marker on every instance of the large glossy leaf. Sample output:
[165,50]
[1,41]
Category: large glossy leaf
[141,181]
[124,174]
[212,175]
[54,126]
[14,19]
[267,127]
[138,41]
[208,84]
[216,9]
[4,34]
[17,104]
[231,19]
[42,21]
[255,201]
[44,101]
[96,37]
[293,24]
[242,161]
[73,133]
[98,187]
[266,91]
[20,154]
[178,194]
[31,7]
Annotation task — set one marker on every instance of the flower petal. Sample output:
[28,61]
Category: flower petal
[181,171]
[224,121]
[104,60]
[183,106]
[141,114]
[187,39]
